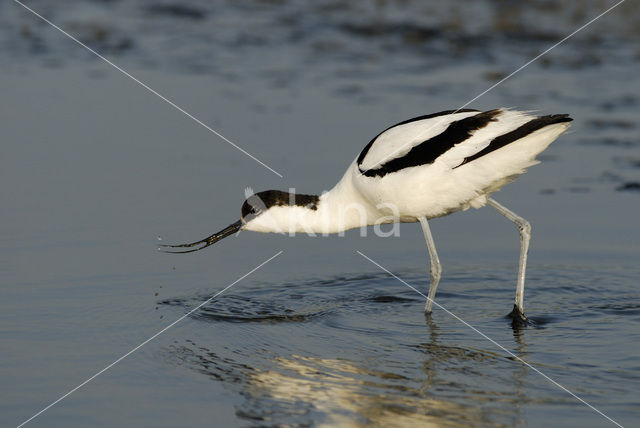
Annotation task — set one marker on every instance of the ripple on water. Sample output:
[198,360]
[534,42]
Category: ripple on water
[344,350]
[242,309]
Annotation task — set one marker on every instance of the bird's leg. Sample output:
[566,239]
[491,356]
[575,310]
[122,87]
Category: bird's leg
[435,267]
[525,236]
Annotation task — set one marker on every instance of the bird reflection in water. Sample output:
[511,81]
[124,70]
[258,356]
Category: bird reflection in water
[298,389]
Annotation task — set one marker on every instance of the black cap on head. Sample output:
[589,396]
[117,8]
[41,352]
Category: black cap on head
[262,201]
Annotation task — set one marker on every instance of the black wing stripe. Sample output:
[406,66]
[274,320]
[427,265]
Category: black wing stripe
[428,151]
[518,133]
[364,151]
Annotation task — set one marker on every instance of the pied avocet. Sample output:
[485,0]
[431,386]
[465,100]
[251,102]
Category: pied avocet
[419,169]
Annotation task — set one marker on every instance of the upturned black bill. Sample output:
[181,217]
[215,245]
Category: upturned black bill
[204,243]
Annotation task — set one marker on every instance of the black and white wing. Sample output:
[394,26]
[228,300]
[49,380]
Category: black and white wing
[450,137]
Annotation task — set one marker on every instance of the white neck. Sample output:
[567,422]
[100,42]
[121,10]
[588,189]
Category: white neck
[341,208]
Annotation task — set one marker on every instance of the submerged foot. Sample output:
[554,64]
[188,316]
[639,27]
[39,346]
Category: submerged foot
[518,320]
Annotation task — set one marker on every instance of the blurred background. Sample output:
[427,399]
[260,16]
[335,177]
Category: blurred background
[95,167]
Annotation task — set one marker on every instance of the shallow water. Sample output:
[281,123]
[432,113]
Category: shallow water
[94,168]
[357,350]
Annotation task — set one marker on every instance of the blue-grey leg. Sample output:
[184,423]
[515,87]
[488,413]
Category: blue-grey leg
[435,267]
[525,236]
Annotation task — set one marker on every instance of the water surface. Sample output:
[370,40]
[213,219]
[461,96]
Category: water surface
[94,168]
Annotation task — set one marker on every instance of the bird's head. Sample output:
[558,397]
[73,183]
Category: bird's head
[258,213]
[255,204]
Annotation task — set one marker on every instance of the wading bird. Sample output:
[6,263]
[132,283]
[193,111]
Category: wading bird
[416,170]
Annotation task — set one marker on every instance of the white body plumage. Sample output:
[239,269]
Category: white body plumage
[427,190]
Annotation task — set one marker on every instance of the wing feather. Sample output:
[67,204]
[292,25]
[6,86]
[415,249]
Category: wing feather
[396,141]
[506,122]
[450,139]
